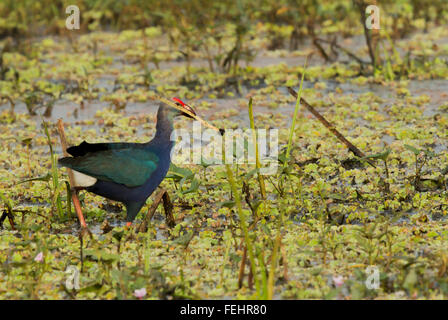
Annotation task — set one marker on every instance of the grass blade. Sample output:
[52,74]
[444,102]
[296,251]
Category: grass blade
[241,216]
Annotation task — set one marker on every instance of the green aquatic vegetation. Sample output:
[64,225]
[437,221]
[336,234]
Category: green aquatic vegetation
[55,187]
[383,156]
[326,215]
[182,176]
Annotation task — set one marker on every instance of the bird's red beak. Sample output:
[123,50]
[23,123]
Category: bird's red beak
[182,104]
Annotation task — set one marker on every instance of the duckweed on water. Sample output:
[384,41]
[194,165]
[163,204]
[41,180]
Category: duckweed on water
[327,216]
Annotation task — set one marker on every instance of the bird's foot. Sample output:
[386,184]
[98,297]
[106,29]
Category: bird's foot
[130,231]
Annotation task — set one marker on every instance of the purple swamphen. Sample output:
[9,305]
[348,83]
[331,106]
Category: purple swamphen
[126,172]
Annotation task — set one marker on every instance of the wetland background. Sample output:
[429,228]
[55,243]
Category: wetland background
[307,232]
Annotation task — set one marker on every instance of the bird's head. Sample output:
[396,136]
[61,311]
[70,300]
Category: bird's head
[184,106]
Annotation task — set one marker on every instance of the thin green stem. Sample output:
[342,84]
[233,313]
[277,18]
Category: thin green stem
[241,215]
[257,155]
[293,125]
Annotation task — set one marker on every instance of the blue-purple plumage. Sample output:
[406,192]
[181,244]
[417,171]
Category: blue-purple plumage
[126,172]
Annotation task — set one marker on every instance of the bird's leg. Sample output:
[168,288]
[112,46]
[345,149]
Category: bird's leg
[78,210]
[84,230]
[74,192]
[168,207]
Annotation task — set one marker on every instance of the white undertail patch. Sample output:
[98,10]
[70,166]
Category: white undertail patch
[83,180]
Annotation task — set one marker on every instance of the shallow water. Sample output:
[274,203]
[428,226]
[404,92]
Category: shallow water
[72,112]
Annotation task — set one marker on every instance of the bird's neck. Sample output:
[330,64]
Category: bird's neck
[164,127]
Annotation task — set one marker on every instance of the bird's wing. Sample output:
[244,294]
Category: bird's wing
[85,147]
[131,167]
